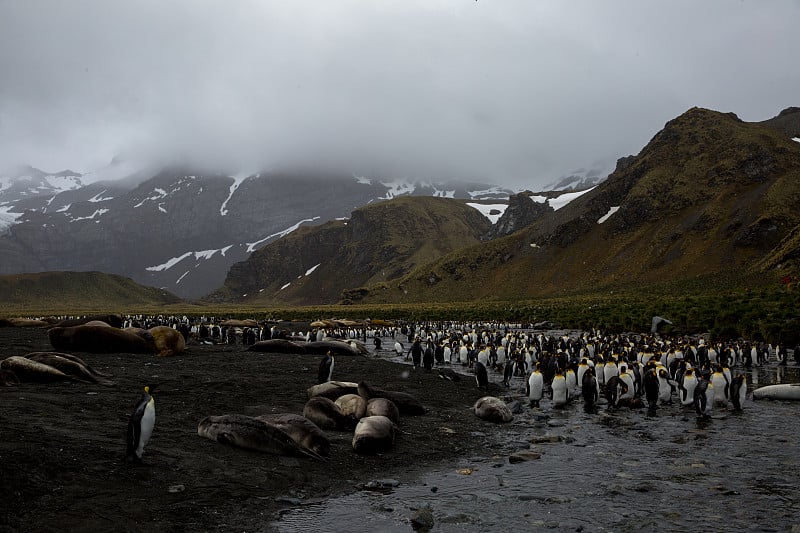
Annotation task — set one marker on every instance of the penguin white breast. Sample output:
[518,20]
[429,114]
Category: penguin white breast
[147,423]
[559,391]
[536,384]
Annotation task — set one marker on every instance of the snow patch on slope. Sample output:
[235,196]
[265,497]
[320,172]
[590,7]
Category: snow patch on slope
[397,188]
[251,246]
[97,213]
[237,180]
[203,254]
[494,192]
[96,198]
[7,217]
[605,217]
[486,210]
[561,201]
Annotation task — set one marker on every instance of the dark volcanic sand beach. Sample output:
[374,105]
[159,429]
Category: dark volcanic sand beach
[62,444]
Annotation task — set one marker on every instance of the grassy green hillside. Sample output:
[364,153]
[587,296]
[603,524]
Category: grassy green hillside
[53,292]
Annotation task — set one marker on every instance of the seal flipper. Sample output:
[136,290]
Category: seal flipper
[226,438]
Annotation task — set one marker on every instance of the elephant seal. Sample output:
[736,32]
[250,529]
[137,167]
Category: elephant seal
[492,409]
[19,322]
[8,378]
[233,323]
[352,405]
[302,430]
[167,341]
[27,370]
[383,407]
[277,346]
[97,339]
[407,404]
[250,433]
[373,434]
[70,365]
[333,346]
[333,389]
[97,323]
[327,415]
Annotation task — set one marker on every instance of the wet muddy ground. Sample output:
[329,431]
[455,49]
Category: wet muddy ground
[62,444]
[61,448]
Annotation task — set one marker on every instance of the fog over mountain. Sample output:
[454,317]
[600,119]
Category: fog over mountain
[516,92]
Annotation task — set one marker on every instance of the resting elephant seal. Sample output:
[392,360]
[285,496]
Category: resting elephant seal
[407,404]
[250,433]
[352,405]
[384,407]
[70,365]
[333,389]
[277,346]
[333,346]
[233,323]
[27,370]
[167,341]
[492,409]
[19,322]
[373,434]
[302,430]
[97,339]
[327,415]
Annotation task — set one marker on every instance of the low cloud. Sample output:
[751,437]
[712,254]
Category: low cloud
[513,92]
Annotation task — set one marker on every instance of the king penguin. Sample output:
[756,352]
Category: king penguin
[590,389]
[652,388]
[738,391]
[481,376]
[559,389]
[140,425]
[688,386]
[535,387]
[325,371]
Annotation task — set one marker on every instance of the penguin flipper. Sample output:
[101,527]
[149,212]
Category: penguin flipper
[133,435]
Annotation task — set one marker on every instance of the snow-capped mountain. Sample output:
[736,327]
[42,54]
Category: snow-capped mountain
[582,178]
[181,229]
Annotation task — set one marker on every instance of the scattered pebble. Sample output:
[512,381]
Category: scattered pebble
[523,456]
[422,520]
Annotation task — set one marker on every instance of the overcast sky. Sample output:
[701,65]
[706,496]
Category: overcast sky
[515,92]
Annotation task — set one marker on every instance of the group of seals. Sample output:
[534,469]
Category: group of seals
[100,337]
[371,413]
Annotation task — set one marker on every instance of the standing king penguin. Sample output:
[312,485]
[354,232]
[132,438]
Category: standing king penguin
[140,425]
[325,370]
[481,376]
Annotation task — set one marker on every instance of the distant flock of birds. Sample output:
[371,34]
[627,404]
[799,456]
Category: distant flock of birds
[625,370]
